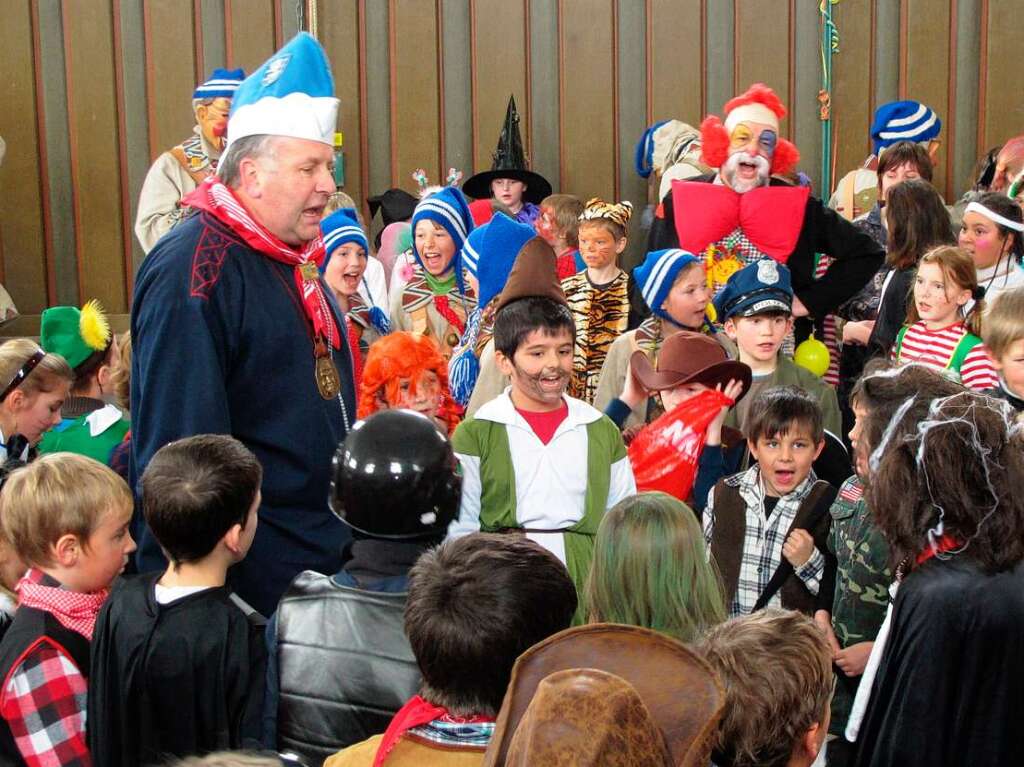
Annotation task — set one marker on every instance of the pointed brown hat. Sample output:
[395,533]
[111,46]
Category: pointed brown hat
[534,273]
[679,689]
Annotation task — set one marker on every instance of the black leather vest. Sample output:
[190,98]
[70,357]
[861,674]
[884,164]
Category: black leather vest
[344,663]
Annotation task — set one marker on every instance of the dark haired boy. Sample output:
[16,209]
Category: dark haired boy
[475,604]
[178,661]
[534,460]
[767,527]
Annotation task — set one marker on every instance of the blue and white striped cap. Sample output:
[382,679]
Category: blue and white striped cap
[222,83]
[903,121]
[340,227]
[657,273]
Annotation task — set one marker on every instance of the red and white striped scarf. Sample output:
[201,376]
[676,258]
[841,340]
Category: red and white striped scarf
[219,201]
[73,609]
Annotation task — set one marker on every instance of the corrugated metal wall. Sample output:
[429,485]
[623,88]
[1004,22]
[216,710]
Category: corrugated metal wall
[92,90]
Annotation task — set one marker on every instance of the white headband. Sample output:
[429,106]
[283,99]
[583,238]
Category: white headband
[977,207]
[756,112]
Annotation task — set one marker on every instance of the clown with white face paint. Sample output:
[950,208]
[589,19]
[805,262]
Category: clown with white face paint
[746,211]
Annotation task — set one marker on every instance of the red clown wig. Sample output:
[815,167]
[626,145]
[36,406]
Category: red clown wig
[715,138]
[402,355]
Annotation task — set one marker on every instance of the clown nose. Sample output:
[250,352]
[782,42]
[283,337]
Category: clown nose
[220,129]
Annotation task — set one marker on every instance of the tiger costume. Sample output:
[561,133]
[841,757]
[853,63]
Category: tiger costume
[601,314]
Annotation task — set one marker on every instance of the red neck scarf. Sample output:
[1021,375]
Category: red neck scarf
[414,713]
[72,609]
[945,543]
[219,201]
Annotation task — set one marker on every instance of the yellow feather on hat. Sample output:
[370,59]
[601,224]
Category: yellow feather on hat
[93,326]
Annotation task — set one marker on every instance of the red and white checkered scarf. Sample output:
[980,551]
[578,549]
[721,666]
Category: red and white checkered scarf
[219,201]
[73,609]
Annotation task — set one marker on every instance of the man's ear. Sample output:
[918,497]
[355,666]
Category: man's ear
[250,177]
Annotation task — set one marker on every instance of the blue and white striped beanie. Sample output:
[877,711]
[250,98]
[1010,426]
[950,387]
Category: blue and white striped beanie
[340,227]
[448,208]
[903,121]
[222,83]
[657,273]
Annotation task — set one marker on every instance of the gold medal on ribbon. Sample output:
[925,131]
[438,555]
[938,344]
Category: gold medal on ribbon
[328,382]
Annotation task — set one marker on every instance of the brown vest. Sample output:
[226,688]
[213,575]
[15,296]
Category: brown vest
[729,533]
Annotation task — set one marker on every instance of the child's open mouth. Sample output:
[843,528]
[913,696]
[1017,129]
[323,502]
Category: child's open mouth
[551,383]
[351,281]
[784,477]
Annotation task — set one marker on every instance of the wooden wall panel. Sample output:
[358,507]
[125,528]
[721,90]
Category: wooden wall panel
[762,55]
[587,77]
[498,44]
[95,154]
[251,32]
[22,236]
[170,72]
[927,69]
[339,33]
[675,61]
[851,92]
[415,91]
[1003,115]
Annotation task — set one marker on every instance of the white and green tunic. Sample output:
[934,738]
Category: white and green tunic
[510,479]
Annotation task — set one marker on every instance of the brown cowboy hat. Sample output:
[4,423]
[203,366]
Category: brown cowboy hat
[687,357]
[681,692]
[587,718]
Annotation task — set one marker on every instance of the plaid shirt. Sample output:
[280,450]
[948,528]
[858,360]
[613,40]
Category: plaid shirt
[763,539]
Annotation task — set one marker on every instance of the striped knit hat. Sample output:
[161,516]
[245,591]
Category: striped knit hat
[340,227]
[448,208]
[903,121]
[657,273]
[222,83]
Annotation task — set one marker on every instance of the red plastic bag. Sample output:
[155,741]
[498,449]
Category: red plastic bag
[664,455]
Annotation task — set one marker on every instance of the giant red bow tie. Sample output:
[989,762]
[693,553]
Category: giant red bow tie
[771,217]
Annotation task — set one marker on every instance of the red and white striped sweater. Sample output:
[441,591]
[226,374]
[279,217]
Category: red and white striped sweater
[935,348]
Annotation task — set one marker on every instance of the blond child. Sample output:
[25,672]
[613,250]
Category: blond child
[559,224]
[35,385]
[1003,333]
[67,515]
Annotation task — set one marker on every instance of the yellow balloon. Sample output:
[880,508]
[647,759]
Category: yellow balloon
[813,355]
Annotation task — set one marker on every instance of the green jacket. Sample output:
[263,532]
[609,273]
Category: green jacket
[863,577]
[94,433]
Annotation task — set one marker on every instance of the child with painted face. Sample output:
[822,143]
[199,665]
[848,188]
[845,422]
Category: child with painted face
[774,514]
[991,233]
[559,225]
[533,459]
[674,285]
[940,331]
[1003,333]
[405,371]
[437,301]
[598,296]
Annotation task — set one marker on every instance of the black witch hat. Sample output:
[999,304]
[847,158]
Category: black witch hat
[509,162]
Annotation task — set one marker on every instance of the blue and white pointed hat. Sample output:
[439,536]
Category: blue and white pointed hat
[291,95]
[221,84]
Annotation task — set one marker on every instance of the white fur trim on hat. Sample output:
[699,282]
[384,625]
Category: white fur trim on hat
[755,112]
[296,115]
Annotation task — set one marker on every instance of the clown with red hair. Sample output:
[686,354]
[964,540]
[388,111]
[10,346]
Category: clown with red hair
[406,371]
[749,210]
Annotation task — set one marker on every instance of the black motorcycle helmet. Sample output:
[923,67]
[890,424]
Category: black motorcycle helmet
[395,476]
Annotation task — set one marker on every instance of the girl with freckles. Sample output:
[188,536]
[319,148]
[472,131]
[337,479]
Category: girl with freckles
[437,299]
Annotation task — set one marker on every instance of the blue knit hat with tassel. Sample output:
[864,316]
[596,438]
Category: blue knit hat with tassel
[656,275]
[448,208]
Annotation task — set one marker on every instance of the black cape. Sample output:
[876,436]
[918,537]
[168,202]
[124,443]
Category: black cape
[949,688]
[176,679]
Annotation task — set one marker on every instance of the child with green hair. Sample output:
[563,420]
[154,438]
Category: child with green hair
[650,569]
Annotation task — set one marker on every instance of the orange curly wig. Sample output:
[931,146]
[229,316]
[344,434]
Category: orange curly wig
[715,139]
[406,355]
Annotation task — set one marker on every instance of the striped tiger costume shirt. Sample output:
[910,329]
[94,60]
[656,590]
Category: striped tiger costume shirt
[601,313]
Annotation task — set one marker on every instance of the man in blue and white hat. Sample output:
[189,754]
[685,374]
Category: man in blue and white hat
[236,332]
[179,170]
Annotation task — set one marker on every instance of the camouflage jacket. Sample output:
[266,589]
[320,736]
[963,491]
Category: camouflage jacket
[862,583]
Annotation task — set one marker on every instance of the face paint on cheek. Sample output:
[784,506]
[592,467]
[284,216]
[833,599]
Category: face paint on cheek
[766,143]
[740,137]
